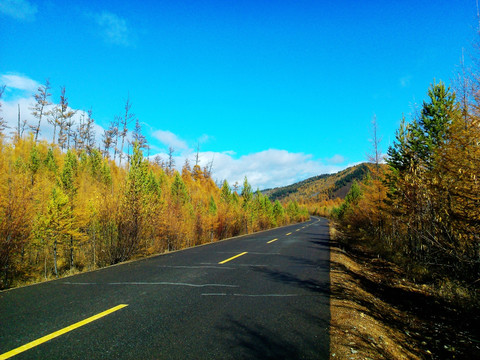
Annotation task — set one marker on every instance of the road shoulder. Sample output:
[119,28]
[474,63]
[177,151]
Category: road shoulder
[377,313]
[356,332]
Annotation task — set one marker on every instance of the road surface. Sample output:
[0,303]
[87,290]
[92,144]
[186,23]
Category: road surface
[260,296]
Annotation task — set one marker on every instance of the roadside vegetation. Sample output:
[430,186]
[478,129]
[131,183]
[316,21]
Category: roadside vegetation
[68,206]
[421,209]
[410,232]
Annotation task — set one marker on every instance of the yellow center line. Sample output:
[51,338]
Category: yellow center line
[233,257]
[297,230]
[55,334]
[289,234]
[268,242]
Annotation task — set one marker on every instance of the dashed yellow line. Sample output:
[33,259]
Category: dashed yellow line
[289,234]
[269,242]
[233,257]
[55,334]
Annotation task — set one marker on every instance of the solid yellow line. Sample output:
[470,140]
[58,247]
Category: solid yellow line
[51,336]
[289,234]
[268,242]
[233,257]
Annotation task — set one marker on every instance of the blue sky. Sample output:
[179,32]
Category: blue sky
[275,90]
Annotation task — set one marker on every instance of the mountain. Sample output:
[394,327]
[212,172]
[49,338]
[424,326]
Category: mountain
[321,187]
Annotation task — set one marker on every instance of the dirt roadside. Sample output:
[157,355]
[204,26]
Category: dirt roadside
[377,314]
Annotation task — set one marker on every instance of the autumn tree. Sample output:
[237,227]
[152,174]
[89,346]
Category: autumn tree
[212,213]
[15,212]
[226,193]
[247,196]
[69,187]
[57,224]
[131,219]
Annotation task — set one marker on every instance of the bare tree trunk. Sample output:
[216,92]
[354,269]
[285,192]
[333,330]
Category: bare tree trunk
[19,126]
[54,132]
[55,257]
[71,252]
[37,129]
[45,263]
[94,260]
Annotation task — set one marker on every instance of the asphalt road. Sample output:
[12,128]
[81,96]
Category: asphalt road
[270,303]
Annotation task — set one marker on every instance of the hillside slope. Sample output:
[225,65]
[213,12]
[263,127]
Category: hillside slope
[321,187]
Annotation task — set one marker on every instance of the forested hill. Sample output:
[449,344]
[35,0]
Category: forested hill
[321,187]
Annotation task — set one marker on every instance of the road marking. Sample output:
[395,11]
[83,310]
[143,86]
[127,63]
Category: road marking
[289,234]
[297,230]
[259,265]
[153,283]
[194,267]
[266,295]
[233,257]
[269,242]
[175,284]
[55,334]
[215,294]
[252,295]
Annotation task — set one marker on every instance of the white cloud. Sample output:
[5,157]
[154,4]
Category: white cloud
[336,159]
[170,139]
[204,138]
[269,168]
[264,169]
[114,29]
[19,82]
[18,9]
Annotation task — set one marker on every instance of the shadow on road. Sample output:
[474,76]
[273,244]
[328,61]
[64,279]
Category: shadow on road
[255,341]
[292,279]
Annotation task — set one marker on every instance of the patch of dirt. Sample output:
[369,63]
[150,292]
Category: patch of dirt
[378,314]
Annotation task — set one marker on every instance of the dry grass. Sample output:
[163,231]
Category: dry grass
[377,314]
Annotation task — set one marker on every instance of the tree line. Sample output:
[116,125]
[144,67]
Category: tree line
[69,205]
[421,208]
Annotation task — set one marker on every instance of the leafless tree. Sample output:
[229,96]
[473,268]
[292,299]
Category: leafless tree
[21,125]
[3,123]
[171,160]
[124,121]
[63,118]
[138,136]
[375,156]
[39,109]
